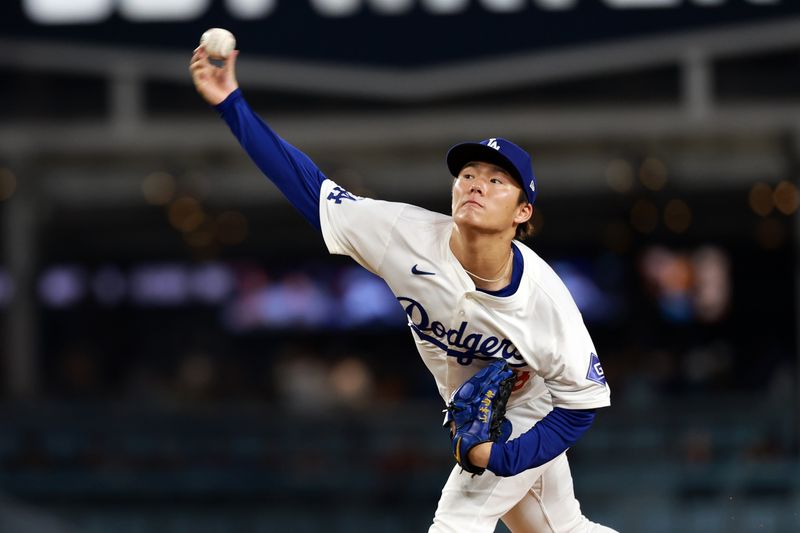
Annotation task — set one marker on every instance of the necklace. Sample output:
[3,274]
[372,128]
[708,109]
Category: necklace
[505,271]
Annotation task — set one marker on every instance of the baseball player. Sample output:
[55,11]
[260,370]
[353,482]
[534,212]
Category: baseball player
[473,294]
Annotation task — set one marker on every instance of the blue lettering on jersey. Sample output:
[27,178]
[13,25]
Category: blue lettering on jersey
[458,343]
[595,372]
[338,194]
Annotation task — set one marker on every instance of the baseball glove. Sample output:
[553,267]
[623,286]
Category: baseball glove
[477,411]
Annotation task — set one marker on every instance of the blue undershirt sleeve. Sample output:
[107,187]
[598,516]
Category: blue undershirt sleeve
[292,171]
[553,434]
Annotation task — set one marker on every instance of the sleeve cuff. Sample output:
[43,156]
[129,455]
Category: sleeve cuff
[494,458]
[229,101]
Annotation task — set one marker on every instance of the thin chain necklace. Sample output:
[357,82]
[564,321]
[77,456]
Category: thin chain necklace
[505,271]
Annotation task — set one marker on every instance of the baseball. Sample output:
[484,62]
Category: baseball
[219,43]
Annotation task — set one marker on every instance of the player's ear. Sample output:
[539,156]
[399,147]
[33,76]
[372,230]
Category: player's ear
[524,213]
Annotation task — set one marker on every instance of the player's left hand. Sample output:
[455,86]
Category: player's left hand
[479,455]
[478,412]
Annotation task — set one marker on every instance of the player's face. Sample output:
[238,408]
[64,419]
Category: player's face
[486,199]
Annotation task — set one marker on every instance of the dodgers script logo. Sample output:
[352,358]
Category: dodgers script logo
[465,347]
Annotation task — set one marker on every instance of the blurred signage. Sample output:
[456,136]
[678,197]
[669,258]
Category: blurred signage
[93,11]
[248,296]
[399,32]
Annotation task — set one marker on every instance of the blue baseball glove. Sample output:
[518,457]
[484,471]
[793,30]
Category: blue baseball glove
[477,411]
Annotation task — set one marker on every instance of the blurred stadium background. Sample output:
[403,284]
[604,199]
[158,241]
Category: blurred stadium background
[179,354]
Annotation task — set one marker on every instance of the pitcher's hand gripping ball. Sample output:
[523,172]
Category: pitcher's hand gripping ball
[219,43]
[478,410]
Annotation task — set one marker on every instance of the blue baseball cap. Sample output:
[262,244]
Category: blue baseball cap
[500,152]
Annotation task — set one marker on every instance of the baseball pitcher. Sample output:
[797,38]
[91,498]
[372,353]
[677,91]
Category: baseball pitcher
[493,323]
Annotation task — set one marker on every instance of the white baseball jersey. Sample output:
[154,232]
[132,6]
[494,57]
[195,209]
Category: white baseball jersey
[538,330]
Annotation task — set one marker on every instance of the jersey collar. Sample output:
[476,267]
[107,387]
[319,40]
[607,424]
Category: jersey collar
[508,295]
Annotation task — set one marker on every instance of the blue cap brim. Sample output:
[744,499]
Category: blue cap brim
[461,154]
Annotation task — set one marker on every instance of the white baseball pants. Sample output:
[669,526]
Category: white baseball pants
[539,500]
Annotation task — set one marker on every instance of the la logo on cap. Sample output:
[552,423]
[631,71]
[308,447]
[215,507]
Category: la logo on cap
[493,143]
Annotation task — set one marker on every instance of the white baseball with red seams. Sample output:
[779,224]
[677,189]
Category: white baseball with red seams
[219,42]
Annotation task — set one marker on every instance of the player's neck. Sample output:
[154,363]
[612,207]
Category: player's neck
[486,258]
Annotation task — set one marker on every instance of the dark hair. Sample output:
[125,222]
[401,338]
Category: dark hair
[525,229]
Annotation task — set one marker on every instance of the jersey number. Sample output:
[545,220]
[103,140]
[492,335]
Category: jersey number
[522,378]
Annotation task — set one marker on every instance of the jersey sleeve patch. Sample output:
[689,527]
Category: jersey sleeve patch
[338,194]
[595,372]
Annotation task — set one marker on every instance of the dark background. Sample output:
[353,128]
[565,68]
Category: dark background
[180,353]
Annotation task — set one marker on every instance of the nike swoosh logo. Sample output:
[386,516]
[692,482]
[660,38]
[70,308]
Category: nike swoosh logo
[418,272]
